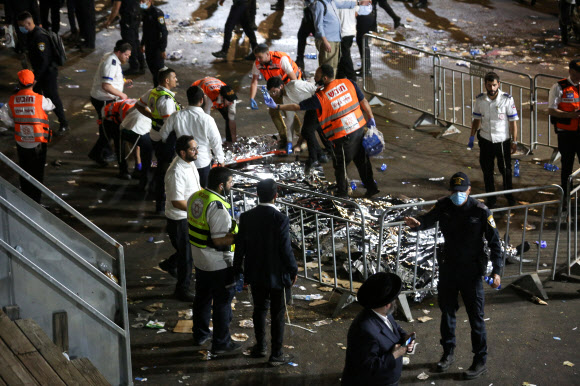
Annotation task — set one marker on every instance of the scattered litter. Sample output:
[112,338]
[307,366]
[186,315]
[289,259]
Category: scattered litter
[184,327]
[247,323]
[140,318]
[574,328]
[153,307]
[150,239]
[77,171]
[187,314]
[206,355]
[293,364]
[288,347]
[318,303]
[537,300]
[436,178]
[568,363]
[423,376]
[302,288]
[73,86]
[240,337]
[67,152]
[144,368]
[528,384]
[325,289]
[72,182]
[322,322]
[133,222]
[159,242]
[543,244]
[80,70]
[424,319]
[186,377]
[155,324]
[138,325]
[141,379]
[426,312]
[406,361]
[557,338]
[307,297]
[161,331]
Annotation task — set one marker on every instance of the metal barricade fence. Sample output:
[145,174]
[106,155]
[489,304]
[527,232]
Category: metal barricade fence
[572,257]
[544,134]
[394,232]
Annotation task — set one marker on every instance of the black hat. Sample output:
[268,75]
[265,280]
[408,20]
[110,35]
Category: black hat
[267,190]
[574,65]
[459,182]
[228,93]
[379,290]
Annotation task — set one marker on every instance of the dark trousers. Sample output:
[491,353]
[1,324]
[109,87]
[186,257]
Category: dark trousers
[569,148]
[273,299]
[308,132]
[178,232]
[490,151]
[32,161]
[155,62]
[130,33]
[112,132]
[211,286]
[345,67]
[146,150]
[126,137]
[452,281]
[229,134]
[239,14]
[204,175]
[47,85]
[345,150]
[164,152]
[70,7]
[384,5]
[365,24]
[306,28]
[102,148]
[52,6]
[86,15]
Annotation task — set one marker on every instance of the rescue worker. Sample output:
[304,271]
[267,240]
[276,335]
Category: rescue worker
[339,104]
[222,98]
[154,39]
[269,64]
[130,12]
[240,14]
[564,108]
[464,222]
[113,115]
[27,110]
[158,104]
[211,234]
[42,59]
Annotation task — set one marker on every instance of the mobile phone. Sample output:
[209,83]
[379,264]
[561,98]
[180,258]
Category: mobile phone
[411,338]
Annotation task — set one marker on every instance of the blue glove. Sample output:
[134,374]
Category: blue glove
[470,143]
[239,284]
[270,103]
[371,122]
[253,104]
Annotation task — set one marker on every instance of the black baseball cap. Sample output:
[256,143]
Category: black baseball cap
[459,182]
[574,65]
[228,93]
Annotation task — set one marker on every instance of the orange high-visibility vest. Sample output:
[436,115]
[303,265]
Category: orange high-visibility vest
[570,102]
[30,120]
[117,111]
[274,68]
[211,87]
[340,114]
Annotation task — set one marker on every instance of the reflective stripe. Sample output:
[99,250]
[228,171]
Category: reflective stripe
[511,116]
[340,114]
[477,115]
[339,129]
[30,120]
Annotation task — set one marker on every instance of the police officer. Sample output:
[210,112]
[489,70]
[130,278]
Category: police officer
[464,222]
[564,107]
[42,59]
[211,234]
[158,104]
[239,14]
[87,18]
[130,12]
[221,97]
[494,121]
[154,39]
[31,132]
[339,104]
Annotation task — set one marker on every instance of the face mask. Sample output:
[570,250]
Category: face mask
[458,198]
[143,5]
[23,29]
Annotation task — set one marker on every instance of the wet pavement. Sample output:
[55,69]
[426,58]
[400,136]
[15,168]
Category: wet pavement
[521,335]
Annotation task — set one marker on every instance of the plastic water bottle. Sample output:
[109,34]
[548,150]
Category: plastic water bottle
[517,168]
[289,148]
[383,167]
[310,56]
[489,280]
[353,185]
[266,94]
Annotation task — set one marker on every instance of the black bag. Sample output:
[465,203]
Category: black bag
[309,12]
[58,51]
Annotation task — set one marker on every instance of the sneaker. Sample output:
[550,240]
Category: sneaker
[231,347]
[220,54]
[258,351]
[184,295]
[251,57]
[164,265]
[280,360]
[201,341]
[63,129]
[446,361]
[477,369]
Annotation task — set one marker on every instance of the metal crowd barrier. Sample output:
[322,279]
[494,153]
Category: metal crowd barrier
[395,230]
[544,133]
[572,258]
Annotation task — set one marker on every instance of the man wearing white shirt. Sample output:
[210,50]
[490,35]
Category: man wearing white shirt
[194,121]
[108,85]
[347,17]
[181,181]
[135,130]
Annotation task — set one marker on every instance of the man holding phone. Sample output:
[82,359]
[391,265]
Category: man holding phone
[376,343]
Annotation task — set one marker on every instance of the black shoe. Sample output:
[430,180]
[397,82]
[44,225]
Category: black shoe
[280,360]
[490,203]
[446,361]
[309,165]
[184,295]
[276,7]
[258,351]
[63,130]
[253,26]
[511,201]
[323,159]
[110,158]
[397,22]
[202,341]
[371,192]
[477,369]
[231,347]
[250,57]
[164,265]
[101,162]
[220,54]
[421,4]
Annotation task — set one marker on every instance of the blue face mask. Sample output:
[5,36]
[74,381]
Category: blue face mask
[144,5]
[458,198]
[22,29]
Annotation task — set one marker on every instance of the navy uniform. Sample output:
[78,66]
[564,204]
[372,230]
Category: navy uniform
[41,56]
[462,264]
[154,40]
[130,13]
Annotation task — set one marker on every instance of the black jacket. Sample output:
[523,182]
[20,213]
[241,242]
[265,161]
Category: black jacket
[263,251]
[154,30]
[40,52]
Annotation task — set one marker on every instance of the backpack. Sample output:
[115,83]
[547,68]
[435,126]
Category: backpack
[309,12]
[58,51]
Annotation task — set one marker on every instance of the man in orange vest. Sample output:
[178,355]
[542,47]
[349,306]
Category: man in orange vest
[339,104]
[269,64]
[221,97]
[564,108]
[27,111]
[113,114]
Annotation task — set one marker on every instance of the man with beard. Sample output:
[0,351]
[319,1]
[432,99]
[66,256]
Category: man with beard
[376,343]
[494,121]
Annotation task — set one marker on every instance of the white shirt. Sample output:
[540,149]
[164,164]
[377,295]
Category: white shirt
[136,122]
[181,181]
[298,90]
[495,116]
[220,222]
[284,63]
[109,71]
[555,96]
[7,118]
[385,319]
[165,107]
[194,121]
[208,105]
[347,18]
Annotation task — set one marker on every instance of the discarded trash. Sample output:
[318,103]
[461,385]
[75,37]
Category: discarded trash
[322,322]
[307,297]
[293,364]
[138,325]
[543,244]
[206,355]
[462,63]
[159,242]
[161,331]
[318,303]
[406,361]
[437,179]
[247,323]
[184,327]
[150,239]
[141,379]
[383,167]
[557,338]
[310,56]
[325,289]
[76,170]
[72,86]
[568,363]
[155,324]
[80,70]
[302,288]
[240,337]
[424,319]
[153,307]
[423,376]
[187,314]
[551,168]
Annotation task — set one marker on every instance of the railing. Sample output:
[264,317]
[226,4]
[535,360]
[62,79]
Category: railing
[572,223]
[544,133]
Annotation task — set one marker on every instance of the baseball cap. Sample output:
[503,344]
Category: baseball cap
[26,77]
[228,93]
[574,65]
[459,182]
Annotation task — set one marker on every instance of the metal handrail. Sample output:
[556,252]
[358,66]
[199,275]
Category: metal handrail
[574,192]
[536,88]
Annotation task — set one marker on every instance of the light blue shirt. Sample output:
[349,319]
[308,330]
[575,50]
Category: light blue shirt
[328,25]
